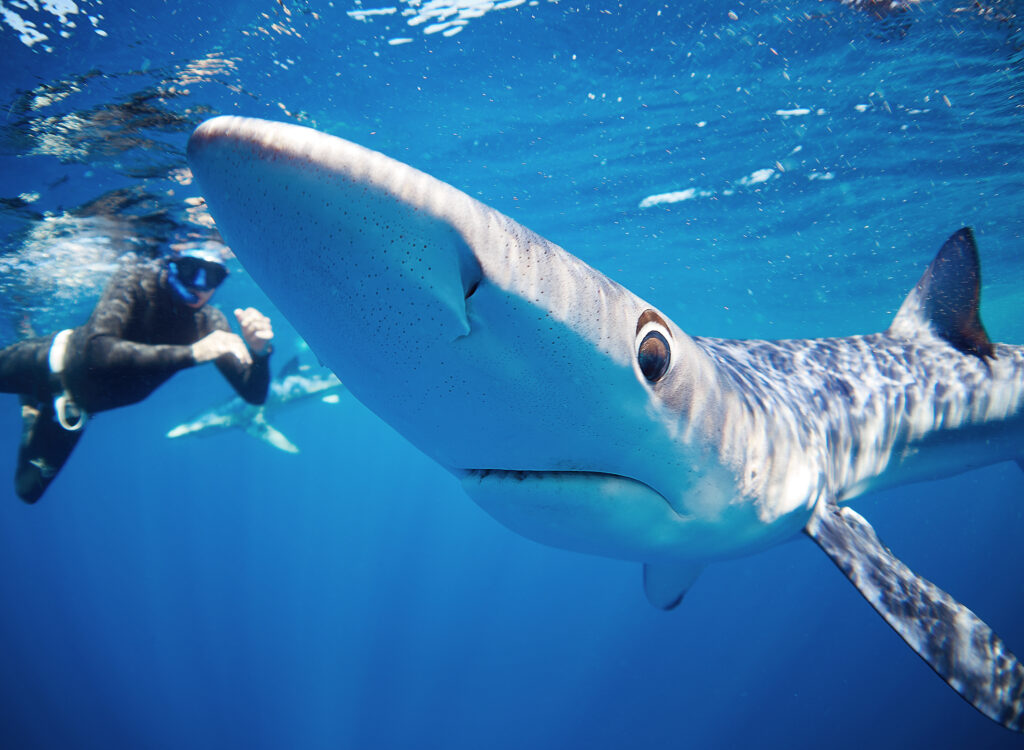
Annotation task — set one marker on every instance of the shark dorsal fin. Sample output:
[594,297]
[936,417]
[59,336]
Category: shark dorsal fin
[946,299]
[291,367]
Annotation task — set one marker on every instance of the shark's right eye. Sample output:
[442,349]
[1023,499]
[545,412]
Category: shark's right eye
[653,352]
[654,356]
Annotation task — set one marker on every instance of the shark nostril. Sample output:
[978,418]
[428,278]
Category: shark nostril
[469,270]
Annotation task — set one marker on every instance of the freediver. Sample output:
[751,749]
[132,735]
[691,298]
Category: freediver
[151,321]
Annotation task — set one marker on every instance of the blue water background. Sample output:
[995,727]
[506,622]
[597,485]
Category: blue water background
[217,593]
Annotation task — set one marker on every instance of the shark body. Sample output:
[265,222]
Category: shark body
[581,416]
[296,383]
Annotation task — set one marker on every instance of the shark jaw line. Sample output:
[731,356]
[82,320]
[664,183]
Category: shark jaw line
[522,475]
[603,513]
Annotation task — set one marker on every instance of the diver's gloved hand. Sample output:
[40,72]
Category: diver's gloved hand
[256,329]
[217,343]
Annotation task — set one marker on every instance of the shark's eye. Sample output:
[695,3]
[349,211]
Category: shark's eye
[653,347]
[654,356]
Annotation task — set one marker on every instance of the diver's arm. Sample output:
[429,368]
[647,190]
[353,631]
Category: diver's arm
[249,379]
[106,349]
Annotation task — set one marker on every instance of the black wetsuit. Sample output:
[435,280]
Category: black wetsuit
[138,336]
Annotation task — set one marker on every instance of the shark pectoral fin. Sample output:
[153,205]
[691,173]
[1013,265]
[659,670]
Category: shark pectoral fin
[260,428]
[961,648]
[278,440]
[666,584]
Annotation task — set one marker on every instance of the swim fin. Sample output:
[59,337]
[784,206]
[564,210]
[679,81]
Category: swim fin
[45,447]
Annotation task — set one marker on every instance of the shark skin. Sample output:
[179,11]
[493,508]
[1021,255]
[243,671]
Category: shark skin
[581,416]
[295,383]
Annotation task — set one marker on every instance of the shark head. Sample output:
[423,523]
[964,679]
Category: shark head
[572,410]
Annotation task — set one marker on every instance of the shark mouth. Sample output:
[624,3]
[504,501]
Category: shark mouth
[594,512]
[523,475]
[520,475]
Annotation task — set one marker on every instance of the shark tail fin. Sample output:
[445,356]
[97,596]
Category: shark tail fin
[961,648]
[665,585]
[262,429]
[947,297]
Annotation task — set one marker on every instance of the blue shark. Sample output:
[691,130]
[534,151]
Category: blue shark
[581,416]
[295,383]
